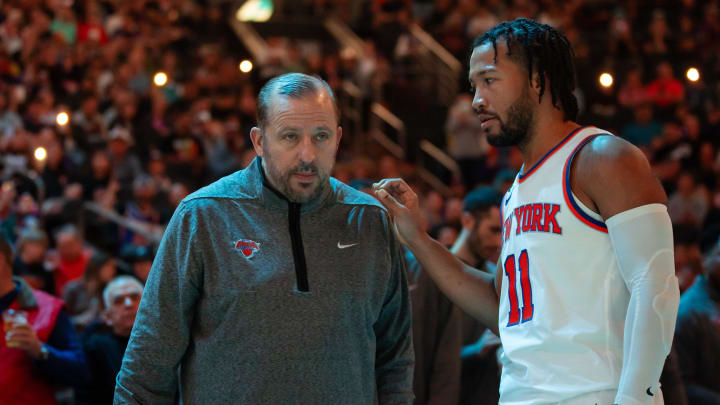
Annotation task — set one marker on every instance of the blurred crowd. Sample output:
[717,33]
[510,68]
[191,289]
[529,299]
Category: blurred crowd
[95,155]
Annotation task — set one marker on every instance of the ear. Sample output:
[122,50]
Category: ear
[105,317]
[535,85]
[257,140]
[339,136]
[467,221]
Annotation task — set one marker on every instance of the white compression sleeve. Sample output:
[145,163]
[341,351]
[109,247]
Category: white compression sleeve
[643,243]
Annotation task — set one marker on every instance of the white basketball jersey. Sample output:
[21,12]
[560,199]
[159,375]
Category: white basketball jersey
[563,301]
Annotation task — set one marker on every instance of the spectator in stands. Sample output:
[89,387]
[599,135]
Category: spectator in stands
[83,297]
[140,259]
[466,143]
[689,203]
[643,129]
[105,346]
[30,264]
[632,94]
[71,257]
[688,259]
[665,91]
[437,339]
[479,246]
[99,176]
[142,209]
[697,335]
[126,165]
[39,350]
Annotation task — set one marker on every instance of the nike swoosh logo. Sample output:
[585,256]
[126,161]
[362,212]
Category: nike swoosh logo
[340,246]
[650,393]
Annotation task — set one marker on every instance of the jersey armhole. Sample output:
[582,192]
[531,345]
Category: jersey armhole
[578,209]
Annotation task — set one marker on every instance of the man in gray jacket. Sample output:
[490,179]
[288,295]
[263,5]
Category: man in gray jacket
[276,284]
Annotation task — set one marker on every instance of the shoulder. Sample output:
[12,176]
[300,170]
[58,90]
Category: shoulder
[231,186]
[607,153]
[347,195]
[616,175]
[44,298]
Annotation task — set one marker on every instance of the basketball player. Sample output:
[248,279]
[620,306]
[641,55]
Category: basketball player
[585,296]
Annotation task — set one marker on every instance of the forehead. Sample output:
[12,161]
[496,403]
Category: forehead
[483,59]
[491,216]
[124,288]
[314,107]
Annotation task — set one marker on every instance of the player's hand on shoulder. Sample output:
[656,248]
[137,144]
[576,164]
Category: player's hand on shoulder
[403,205]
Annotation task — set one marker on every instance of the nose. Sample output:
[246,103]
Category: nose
[479,102]
[307,150]
[127,302]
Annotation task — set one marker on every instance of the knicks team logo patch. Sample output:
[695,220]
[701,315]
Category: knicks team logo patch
[247,247]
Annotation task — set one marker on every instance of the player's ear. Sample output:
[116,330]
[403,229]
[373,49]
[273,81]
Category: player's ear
[467,220]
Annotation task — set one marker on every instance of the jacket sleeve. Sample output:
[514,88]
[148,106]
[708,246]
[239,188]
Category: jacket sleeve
[66,361]
[394,357]
[161,332]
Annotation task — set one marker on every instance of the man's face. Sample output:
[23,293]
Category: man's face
[33,252]
[502,97]
[124,302]
[298,145]
[69,246]
[486,235]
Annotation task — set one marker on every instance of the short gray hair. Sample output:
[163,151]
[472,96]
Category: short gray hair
[292,85]
[115,282]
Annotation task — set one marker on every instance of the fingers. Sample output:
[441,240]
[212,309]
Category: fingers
[398,189]
[23,337]
[394,186]
[389,201]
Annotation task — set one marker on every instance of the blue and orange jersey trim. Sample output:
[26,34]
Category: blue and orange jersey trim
[567,191]
[523,176]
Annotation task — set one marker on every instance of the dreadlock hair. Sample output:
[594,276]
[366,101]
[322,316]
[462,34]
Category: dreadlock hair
[539,47]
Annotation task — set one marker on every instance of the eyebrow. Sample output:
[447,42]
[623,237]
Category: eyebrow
[298,129]
[481,73]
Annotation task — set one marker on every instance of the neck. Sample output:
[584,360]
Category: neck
[548,131]
[461,249]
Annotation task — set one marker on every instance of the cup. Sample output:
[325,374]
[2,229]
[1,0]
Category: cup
[12,318]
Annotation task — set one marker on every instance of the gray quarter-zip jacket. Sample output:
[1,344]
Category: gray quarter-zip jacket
[255,300]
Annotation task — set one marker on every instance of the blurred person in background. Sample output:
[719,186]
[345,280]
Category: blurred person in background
[83,297]
[465,143]
[665,91]
[689,203]
[479,246]
[70,258]
[697,334]
[140,259]
[437,339]
[643,129]
[688,257]
[105,346]
[42,351]
[30,263]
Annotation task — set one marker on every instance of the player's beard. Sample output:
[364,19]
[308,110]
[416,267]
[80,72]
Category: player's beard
[281,180]
[516,131]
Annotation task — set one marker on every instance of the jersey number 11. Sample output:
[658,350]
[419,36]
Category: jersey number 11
[511,269]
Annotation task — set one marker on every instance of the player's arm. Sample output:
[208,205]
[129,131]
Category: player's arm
[615,177]
[470,289]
